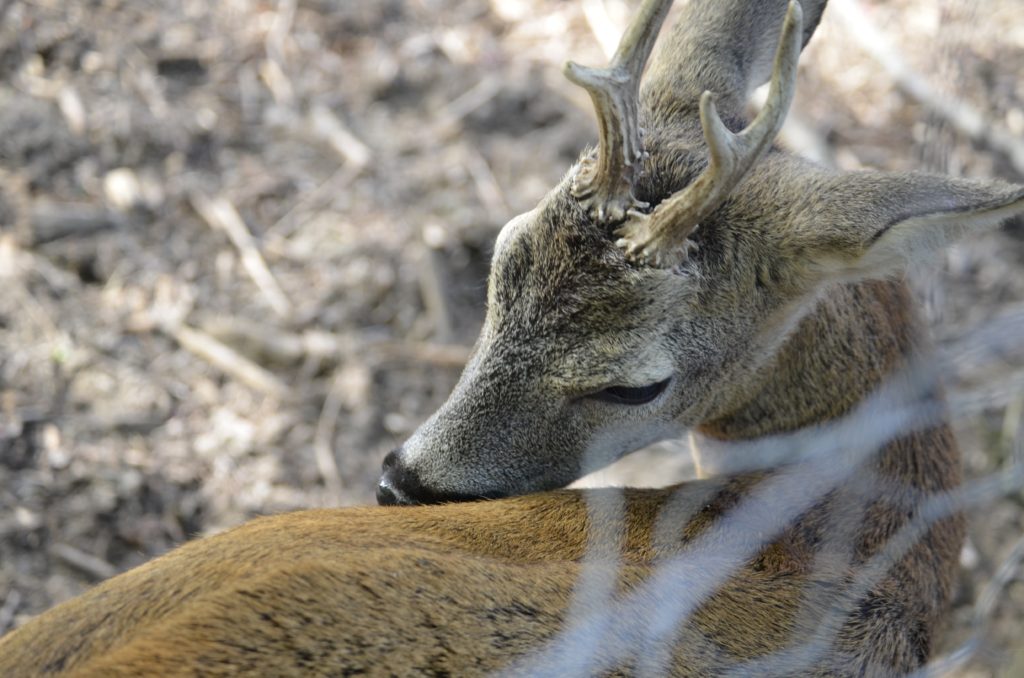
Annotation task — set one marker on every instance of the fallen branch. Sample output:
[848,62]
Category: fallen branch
[448,125]
[328,127]
[221,215]
[273,68]
[95,567]
[323,440]
[488,189]
[309,201]
[229,361]
[290,347]
[51,222]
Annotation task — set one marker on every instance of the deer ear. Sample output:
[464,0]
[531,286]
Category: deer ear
[878,222]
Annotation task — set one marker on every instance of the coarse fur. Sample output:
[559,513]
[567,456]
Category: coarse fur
[784,319]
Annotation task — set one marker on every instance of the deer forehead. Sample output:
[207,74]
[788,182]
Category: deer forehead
[546,272]
[559,276]
[549,250]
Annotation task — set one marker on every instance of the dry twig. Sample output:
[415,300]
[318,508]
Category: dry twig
[227,359]
[464,104]
[487,187]
[52,222]
[329,127]
[94,566]
[310,201]
[221,215]
[290,347]
[273,69]
[323,440]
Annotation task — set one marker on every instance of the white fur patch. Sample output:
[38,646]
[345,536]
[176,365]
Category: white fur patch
[714,457]
[515,227]
[611,444]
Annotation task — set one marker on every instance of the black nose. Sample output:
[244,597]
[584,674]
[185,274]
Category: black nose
[386,495]
[400,486]
[388,489]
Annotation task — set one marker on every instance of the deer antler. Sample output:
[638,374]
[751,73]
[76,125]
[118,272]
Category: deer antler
[660,239]
[605,187]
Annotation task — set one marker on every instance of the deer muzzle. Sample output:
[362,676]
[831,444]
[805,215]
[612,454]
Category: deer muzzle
[399,485]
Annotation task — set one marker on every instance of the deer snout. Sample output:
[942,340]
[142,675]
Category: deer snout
[401,486]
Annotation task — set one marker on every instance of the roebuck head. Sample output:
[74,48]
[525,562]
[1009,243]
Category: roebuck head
[651,290]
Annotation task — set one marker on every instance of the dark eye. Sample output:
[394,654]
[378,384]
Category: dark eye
[630,395]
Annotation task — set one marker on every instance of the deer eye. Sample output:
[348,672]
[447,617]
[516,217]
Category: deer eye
[630,395]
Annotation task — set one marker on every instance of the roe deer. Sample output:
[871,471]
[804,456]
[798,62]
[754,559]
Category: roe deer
[681,277]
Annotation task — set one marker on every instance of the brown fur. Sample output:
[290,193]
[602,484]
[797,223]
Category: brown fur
[780,322]
[459,589]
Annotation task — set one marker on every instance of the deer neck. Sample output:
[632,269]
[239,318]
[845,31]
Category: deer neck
[857,337]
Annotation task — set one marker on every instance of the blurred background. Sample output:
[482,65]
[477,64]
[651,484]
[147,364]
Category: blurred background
[244,246]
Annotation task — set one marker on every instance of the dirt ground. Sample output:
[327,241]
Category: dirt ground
[244,247]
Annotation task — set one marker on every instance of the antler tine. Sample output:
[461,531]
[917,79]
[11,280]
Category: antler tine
[660,239]
[605,187]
